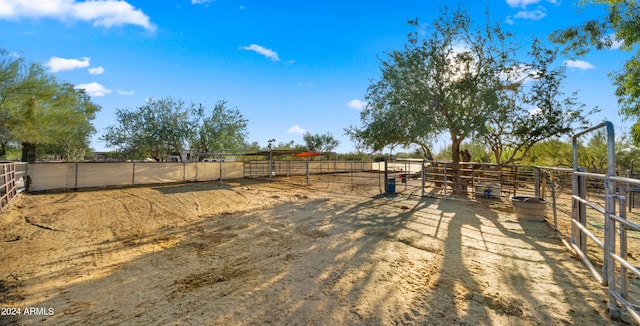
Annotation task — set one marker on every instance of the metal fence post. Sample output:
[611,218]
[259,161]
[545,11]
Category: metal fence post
[270,164]
[386,175]
[422,176]
[624,274]
[582,209]
[445,180]
[537,182]
[76,181]
[553,199]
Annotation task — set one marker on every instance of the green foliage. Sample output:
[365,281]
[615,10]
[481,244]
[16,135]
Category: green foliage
[551,152]
[35,109]
[77,111]
[466,82]
[478,151]
[356,156]
[13,152]
[592,152]
[157,129]
[254,146]
[225,128]
[532,107]
[169,127]
[291,145]
[621,26]
[320,143]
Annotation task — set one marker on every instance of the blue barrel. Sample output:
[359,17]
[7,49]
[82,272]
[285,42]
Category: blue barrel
[391,185]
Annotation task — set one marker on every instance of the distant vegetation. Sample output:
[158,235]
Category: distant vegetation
[470,83]
[39,114]
[165,127]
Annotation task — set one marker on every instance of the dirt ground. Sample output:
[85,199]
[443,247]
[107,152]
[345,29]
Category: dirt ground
[254,252]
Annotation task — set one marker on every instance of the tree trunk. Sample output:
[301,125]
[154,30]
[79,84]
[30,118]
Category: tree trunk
[3,149]
[459,185]
[28,152]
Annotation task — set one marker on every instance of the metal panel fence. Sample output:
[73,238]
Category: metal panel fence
[12,178]
[588,205]
[602,234]
[86,175]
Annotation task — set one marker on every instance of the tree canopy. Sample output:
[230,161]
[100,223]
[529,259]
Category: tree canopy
[224,128]
[620,27]
[320,142]
[36,109]
[466,81]
[164,127]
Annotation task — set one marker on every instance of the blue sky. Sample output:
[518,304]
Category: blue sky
[288,66]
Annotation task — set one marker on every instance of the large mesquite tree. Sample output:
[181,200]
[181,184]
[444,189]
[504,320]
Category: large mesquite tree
[167,126]
[463,81]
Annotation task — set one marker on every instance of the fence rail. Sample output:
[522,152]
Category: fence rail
[51,176]
[13,178]
[583,203]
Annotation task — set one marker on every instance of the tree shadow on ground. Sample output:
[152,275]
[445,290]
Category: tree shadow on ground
[330,259]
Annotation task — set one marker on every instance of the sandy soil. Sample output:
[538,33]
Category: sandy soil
[256,252]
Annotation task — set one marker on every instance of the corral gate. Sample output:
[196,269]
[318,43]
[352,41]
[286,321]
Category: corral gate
[9,187]
[616,268]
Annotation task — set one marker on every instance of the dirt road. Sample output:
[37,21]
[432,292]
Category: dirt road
[257,252]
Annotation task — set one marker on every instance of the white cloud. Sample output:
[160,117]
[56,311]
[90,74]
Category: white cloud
[525,3]
[56,64]
[105,13]
[296,130]
[197,2]
[521,3]
[357,104]
[242,7]
[96,71]
[615,42]
[536,14]
[509,21]
[128,93]
[262,50]
[535,111]
[94,89]
[579,64]
[305,84]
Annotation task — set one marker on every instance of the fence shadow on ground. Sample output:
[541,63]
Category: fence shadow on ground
[318,257]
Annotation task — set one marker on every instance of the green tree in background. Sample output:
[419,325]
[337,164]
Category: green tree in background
[35,109]
[157,129]
[224,128]
[320,142]
[171,127]
[531,107]
[620,27]
[71,128]
[291,145]
[465,82]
